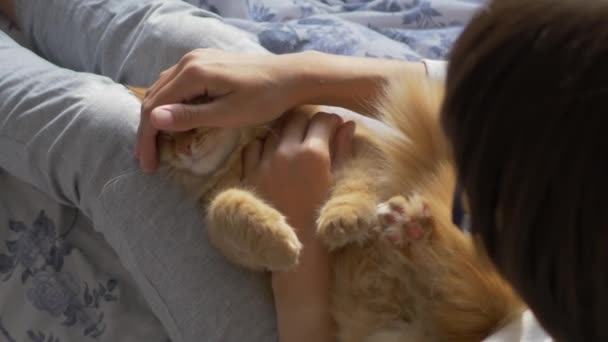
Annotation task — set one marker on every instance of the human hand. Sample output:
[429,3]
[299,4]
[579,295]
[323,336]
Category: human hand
[244,89]
[292,167]
[293,171]
[241,89]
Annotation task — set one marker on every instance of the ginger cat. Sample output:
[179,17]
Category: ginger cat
[403,271]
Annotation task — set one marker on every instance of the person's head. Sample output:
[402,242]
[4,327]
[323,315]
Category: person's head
[526,111]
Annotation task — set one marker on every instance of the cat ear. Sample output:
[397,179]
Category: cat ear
[140,93]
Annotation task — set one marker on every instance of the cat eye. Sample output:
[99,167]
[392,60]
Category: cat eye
[460,214]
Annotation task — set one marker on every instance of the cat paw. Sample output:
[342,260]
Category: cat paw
[259,246]
[252,234]
[403,221]
[278,249]
[344,220]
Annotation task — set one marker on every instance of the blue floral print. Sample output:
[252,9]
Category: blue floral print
[37,251]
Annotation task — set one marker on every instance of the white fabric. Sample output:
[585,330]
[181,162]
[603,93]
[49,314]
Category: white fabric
[436,70]
[524,329]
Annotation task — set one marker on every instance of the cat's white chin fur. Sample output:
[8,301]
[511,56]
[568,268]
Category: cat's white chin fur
[211,161]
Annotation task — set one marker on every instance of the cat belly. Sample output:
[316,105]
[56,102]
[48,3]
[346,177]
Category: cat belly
[372,299]
[437,290]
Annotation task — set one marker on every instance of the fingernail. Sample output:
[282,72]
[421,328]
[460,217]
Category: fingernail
[351,128]
[162,117]
[336,118]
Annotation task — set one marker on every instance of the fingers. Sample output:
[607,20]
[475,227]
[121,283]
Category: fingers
[163,79]
[260,150]
[183,117]
[188,62]
[146,145]
[294,129]
[169,118]
[182,88]
[180,83]
[178,117]
[343,144]
[188,80]
[271,144]
[321,130]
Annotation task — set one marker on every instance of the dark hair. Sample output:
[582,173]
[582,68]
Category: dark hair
[526,110]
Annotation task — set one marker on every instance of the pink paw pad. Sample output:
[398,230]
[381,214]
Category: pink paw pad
[404,220]
[414,231]
[389,218]
[397,208]
[394,236]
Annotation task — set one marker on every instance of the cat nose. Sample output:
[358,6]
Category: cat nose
[184,148]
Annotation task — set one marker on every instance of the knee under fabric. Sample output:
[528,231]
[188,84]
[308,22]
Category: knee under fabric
[71,135]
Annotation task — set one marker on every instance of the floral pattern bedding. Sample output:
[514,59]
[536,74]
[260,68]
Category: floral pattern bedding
[60,281]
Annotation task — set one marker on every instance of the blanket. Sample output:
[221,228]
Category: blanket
[94,298]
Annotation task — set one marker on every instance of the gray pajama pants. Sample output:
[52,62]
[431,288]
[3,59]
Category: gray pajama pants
[70,133]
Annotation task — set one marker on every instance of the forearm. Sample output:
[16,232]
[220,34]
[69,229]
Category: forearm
[302,297]
[302,318]
[350,82]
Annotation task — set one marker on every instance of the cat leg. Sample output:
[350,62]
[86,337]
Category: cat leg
[350,213]
[251,233]
[403,221]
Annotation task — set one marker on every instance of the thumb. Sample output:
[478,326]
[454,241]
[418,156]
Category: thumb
[183,117]
[343,144]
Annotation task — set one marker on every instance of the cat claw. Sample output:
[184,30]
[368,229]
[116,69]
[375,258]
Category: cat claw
[403,221]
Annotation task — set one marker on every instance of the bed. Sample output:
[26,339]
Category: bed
[95,295]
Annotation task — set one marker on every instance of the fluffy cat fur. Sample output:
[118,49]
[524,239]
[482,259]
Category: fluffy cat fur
[403,271]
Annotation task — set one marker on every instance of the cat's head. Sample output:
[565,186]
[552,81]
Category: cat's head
[199,151]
